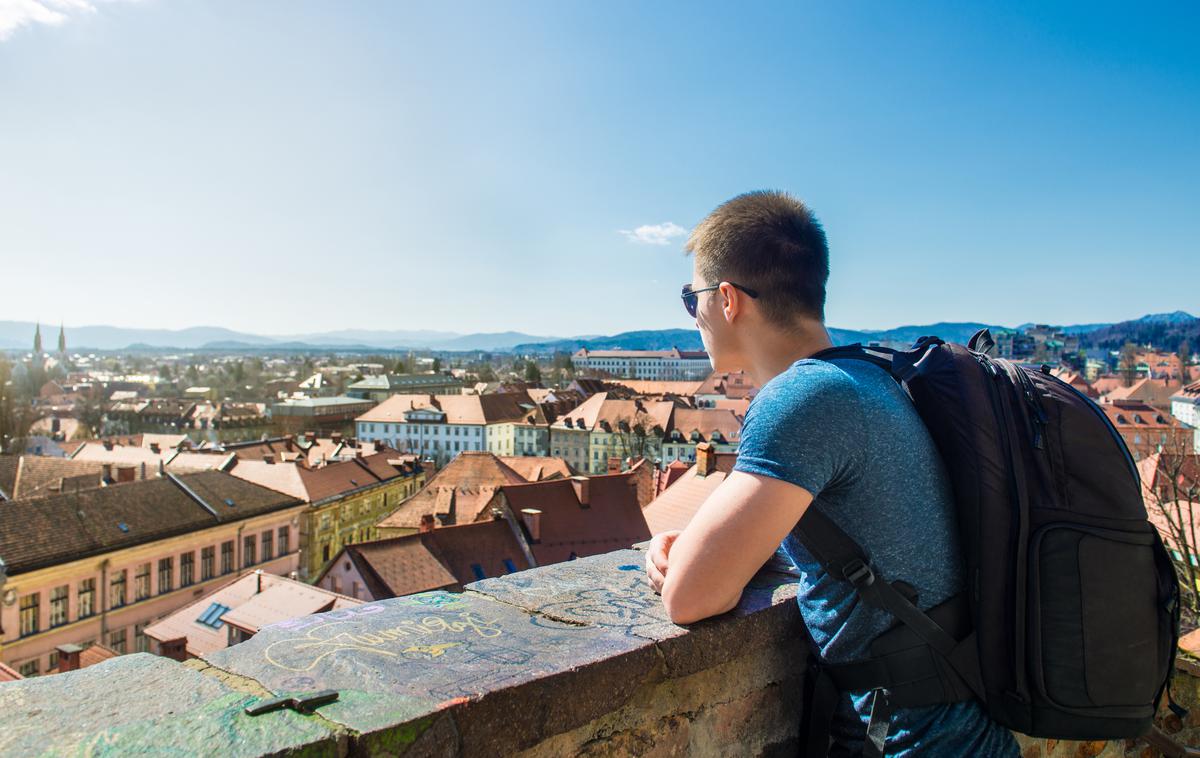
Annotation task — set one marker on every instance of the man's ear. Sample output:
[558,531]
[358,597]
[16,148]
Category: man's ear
[732,302]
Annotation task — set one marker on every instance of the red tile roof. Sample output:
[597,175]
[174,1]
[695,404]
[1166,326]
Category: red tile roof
[441,558]
[611,518]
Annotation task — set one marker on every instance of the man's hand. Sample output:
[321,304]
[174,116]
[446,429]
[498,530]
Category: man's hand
[656,558]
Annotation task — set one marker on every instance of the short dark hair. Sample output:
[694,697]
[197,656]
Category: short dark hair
[770,242]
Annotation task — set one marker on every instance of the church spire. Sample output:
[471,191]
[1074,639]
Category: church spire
[62,340]
[37,339]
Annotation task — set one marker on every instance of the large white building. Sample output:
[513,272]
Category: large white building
[673,364]
[441,426]
[1185,406]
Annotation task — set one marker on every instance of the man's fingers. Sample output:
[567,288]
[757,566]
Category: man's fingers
[655,577]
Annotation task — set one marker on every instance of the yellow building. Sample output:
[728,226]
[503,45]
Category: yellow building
[345,499]
[99,565]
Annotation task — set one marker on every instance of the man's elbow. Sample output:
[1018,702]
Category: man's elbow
[685,607]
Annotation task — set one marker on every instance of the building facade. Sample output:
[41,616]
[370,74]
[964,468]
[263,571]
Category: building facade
[673,364]
[147,549]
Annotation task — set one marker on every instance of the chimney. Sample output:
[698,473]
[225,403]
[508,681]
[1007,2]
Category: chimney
[706,459]
[268,458]
[428,523]
[68,657]
[107,476]
[533,522]
[126,473]
[336,437]
[162,468]
[310,437]
[379,446]
[580,483]
[614,464]
[108,445]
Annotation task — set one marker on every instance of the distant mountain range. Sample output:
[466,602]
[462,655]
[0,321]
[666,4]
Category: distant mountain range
[1161,329]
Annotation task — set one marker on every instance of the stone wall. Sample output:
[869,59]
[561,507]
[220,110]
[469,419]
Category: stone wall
[577,658]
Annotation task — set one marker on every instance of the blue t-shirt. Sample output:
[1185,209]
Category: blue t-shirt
[847,433]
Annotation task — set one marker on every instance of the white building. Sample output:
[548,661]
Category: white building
[442,426]
[673,364]
[1185,406]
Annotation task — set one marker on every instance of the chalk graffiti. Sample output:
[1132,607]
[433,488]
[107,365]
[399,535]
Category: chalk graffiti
[346,614]
[433,651]
[301,654]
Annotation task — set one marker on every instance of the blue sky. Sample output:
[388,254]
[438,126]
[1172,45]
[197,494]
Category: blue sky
[280,167]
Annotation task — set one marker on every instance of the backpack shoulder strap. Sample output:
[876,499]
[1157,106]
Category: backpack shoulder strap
[843,558]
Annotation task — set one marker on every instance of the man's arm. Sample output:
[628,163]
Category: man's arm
[733,534]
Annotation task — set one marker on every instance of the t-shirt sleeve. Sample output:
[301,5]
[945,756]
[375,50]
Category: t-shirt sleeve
[804,427]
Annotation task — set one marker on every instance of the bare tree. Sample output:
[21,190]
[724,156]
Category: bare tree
[1127,363]
[1173,495]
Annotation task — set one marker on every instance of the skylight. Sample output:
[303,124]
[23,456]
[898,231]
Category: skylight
[212,616]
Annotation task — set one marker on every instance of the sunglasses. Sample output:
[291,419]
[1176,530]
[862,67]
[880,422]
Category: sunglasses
[690,299]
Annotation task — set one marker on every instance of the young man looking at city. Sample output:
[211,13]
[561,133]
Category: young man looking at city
[840,436]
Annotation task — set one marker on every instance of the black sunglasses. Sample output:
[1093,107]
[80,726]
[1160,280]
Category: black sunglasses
[690,299]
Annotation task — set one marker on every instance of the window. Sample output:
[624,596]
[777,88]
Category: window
[53,662]
[87,598]
[58,605]
[475,567]
[212,616]
[226,557]
[166,570]
[30,608]
[325,552]
[248,544]
[268,546]
[208,559]
[116,589]
[284,547]
[141,582]
[141,643]
[116,641]
[508,564]
[29,668]
[187,569]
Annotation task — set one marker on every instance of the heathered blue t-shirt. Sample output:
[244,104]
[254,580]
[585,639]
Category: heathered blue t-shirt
[847,433]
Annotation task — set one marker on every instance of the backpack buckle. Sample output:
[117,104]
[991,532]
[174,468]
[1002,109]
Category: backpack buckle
[858,573]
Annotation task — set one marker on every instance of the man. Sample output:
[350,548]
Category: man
[839,436]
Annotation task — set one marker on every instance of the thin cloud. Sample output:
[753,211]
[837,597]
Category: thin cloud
[654,234]
[15,14]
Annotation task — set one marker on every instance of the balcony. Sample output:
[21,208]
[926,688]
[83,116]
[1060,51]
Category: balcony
[575,658]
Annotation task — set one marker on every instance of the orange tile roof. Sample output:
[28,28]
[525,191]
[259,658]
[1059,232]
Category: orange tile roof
[8,674]
[288,600]
[674,508]
[464,487]
[90,656]
[533,468]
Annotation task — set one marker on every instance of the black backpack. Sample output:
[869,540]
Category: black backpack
[1070,619]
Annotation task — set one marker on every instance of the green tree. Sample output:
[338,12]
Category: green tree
[532,372]
[1185,356]
[437,365]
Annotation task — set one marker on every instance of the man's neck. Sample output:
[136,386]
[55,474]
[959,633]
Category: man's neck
[775,350]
